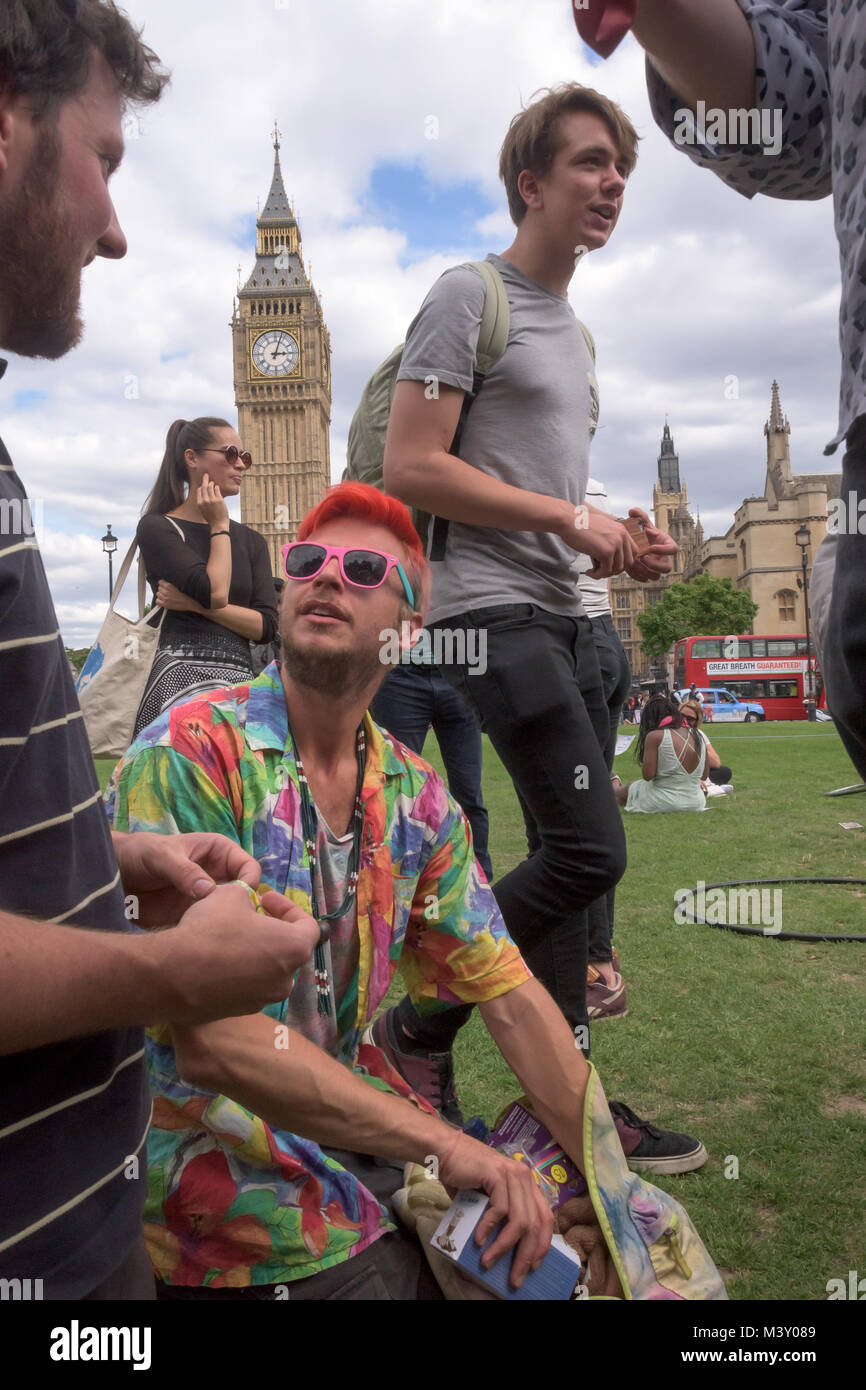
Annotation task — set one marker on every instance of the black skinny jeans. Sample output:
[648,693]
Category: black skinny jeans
[541,703]
[616,683]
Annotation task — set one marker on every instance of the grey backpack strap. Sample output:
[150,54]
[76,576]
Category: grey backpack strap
[588,339]
[492,342]
[495,319]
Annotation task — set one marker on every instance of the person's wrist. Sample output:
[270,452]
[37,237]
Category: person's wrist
[143,975]
[434,1140]
[567,517]
[164,970]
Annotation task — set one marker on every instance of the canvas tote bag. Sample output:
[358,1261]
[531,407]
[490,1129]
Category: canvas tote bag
[650,1238]
[114,676]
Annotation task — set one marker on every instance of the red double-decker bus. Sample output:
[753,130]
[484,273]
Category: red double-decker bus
[769,669]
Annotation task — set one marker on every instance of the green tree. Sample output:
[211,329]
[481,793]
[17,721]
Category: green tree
[77,657]
[703,605]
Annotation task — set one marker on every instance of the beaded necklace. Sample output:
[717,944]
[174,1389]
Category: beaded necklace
[323,979]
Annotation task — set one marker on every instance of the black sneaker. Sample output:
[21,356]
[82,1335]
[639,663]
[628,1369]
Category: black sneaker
[651,1150]
[430,1074]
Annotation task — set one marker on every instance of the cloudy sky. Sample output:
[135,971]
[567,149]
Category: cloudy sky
[696,287]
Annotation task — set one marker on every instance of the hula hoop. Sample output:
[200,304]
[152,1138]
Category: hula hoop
[775,935]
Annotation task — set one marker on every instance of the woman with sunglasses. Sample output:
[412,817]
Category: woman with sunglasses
[211,574]
[673,759]
[718,775]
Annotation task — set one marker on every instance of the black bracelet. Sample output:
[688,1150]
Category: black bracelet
[219,533]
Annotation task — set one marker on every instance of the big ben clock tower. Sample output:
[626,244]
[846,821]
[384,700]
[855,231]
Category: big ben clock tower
[282,378]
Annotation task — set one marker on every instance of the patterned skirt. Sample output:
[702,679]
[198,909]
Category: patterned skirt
[183,670]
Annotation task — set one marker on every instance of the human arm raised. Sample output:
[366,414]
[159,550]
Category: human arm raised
[169,556]
[769,58]
[255,615]
[703,49]
[219,565]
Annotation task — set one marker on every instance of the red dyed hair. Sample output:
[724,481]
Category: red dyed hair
[364,503]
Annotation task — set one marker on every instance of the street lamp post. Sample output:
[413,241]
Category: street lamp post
[109,545]
[803,537]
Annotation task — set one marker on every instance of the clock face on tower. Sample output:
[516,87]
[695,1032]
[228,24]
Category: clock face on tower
[276,352]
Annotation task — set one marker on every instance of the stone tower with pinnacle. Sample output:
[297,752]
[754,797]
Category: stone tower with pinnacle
[777,431]
[671,504]
[282,376]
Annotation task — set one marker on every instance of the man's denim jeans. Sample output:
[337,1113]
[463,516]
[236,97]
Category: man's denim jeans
[409,701]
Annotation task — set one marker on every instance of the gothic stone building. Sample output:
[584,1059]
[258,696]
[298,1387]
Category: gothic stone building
[671,513]
[758,552]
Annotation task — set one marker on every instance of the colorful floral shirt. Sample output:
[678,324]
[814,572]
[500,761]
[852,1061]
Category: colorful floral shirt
[233,1201]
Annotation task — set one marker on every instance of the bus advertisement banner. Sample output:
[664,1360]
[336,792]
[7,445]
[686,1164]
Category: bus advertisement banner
[756,666]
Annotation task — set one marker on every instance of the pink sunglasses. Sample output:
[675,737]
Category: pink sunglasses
[362,568]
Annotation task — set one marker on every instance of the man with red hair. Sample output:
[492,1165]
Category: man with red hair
[266,1129]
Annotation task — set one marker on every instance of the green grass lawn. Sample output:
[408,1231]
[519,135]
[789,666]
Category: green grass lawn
[754,1045]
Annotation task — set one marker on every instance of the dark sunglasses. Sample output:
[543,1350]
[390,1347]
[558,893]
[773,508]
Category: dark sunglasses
[366,569]
[232,453]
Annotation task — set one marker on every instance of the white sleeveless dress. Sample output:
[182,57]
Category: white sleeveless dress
[672,788]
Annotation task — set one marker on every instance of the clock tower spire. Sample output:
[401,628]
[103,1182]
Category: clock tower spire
[282,377]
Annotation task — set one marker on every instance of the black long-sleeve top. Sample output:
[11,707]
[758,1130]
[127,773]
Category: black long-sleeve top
[184,564]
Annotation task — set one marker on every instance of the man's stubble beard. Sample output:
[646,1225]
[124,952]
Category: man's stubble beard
[331,673]
[40,289]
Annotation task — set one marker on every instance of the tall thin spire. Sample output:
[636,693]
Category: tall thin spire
[279,260]
[277,207]
[777,430]
[777,423]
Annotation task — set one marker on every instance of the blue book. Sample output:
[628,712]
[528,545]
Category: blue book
[556,1277]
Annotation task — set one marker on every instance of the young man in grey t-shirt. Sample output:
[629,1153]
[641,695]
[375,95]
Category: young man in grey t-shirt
[514,501]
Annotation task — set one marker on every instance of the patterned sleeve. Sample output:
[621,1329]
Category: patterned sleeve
[457,948]
[791,80]
[161,790]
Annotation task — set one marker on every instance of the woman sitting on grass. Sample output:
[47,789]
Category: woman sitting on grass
[720,775]
[673,758]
